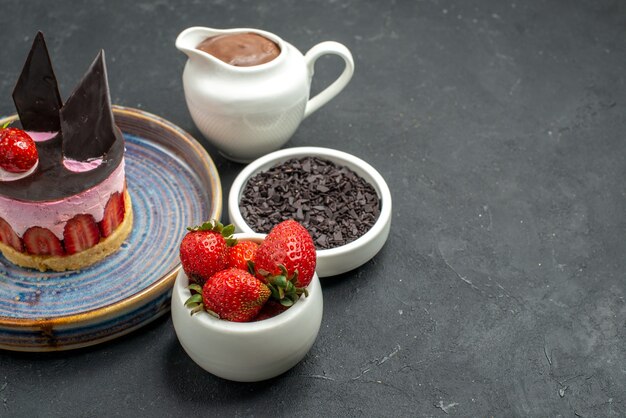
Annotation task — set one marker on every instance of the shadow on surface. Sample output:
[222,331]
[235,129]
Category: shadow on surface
[107,346]
[190,383]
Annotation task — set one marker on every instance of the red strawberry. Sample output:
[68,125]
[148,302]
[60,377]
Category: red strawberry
[80,233]
[9,237]
[113,214]
[41,241]
[286,259]
[270,309]
[288,244]
[234,295]
[18,152]
[241,253]
[204,250]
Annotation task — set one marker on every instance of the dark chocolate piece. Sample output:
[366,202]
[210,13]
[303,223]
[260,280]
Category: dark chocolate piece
[36,94]
[331,201]
[87,121]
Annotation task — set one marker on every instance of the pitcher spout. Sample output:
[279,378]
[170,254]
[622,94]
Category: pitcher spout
[188,40]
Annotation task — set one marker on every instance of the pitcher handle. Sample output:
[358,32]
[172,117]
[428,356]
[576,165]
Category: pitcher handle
[323,48]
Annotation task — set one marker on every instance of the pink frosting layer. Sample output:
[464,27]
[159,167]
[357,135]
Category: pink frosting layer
[41,136]
[81,166]
[53,215]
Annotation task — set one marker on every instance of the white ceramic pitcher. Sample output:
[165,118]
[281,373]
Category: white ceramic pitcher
[247,112]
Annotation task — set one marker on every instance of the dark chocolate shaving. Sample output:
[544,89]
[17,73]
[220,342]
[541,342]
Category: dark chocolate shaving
[36,93]
[332,202]
[87,122]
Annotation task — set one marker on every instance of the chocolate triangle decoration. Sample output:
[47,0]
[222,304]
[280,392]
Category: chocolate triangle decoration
[87,122]
[36,93]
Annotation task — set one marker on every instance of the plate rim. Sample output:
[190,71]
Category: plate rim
[151,292]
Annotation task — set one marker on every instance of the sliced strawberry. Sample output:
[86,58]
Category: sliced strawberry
[41,241]
[113,214]
[80,233]
[9,237]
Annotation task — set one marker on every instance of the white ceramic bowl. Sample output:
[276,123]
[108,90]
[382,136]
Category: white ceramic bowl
[334,261]
[247,351]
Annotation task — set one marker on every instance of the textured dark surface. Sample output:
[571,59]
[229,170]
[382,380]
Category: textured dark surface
[499,129]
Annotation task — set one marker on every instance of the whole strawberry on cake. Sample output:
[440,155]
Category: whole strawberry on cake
[64,204]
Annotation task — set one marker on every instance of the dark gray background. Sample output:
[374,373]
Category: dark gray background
[499,127]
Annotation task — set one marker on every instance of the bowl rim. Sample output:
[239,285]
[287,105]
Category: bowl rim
[255,327]
[349,160]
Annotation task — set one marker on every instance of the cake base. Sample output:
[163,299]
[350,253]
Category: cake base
[101,250]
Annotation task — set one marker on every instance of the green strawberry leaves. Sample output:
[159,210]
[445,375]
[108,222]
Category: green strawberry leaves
[196,288]
[195,300]
[195,303]
[214,225]
[283,287]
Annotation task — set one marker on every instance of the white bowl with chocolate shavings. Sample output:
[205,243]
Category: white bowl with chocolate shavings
[342,201]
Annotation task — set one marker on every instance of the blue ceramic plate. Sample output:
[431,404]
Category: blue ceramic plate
[173,183]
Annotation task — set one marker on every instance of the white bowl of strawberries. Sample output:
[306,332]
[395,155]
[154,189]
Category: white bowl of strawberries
[247,307]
